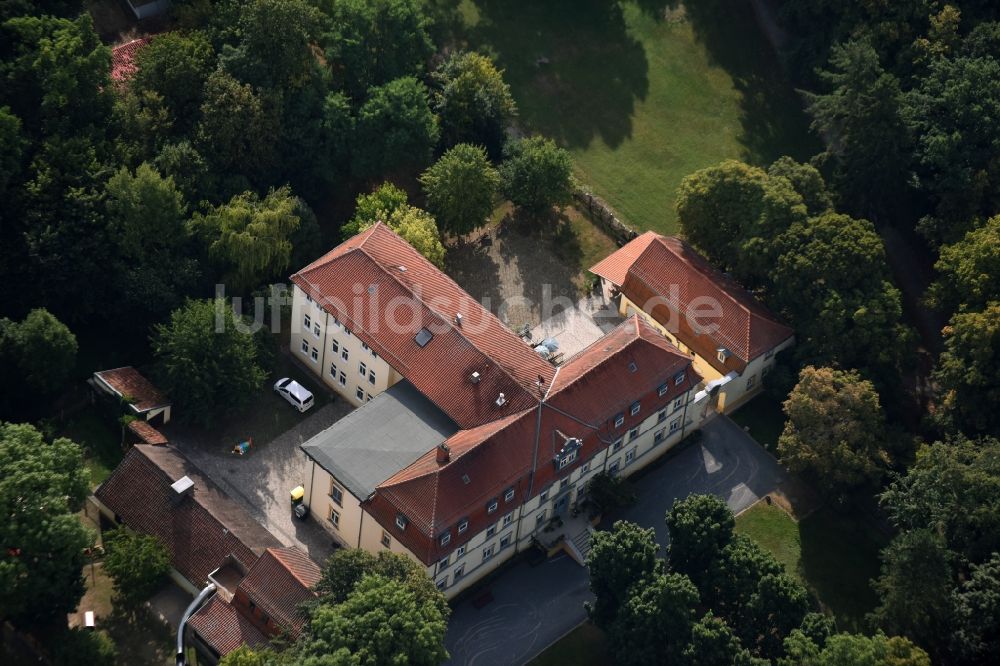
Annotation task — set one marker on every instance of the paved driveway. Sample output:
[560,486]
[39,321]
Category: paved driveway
[261,481]
[533,607]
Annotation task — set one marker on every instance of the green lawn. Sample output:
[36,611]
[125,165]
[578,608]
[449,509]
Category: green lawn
[764,420]
[640,95]
[834,555]
[584,646]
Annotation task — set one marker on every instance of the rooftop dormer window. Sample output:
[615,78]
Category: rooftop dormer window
[401,521]
[568,453]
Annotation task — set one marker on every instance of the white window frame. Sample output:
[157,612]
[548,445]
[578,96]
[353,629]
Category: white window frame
[314,355]
[305,347]
[463,525]
[445,538]
[630,456]
[334,518]
[507,519]
[619,420]
[492,506]
[359,393]
[634,409]
[675,425]
[679,378]
[307,322]
[488,553]
[386,540]
[316,329]
[362,369]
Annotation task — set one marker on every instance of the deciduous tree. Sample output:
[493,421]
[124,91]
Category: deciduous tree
[835,431]
[461,188]
[968,371]
[921,612]
[654,626]
[137,563]
[371,42]
[536,174]
[176,65]
[618,559]
[380,622]
[733,211]
[976,634]
[473,102]
[395,129]
[832,282]
[968,270]
[207,370]
[700,527]
[41,348]
[250,236]
[42,486]
[953,488]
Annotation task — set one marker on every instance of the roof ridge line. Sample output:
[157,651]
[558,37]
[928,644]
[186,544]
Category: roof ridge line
[284,565]
[444,318]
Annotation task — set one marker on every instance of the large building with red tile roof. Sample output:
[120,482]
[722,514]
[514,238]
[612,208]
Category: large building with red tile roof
[702,311]
[258,582]
[466,444]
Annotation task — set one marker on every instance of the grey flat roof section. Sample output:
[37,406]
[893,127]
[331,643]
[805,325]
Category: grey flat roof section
[381,437]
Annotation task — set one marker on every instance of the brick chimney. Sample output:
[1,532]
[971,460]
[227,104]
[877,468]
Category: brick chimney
[443,454]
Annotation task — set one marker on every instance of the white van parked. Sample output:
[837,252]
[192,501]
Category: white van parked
[297,395]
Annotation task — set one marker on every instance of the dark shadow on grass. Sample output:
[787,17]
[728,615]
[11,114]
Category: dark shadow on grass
[840,555]
[773,120]
[574,69]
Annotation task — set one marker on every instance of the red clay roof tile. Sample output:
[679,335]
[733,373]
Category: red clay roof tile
[224,628]
[382,288]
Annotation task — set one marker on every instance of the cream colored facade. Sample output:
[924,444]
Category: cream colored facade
[330,349]
[733,393]
[516,525]
[645,443]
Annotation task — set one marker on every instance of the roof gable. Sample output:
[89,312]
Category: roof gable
[667,276]
[387,292]
[200,530]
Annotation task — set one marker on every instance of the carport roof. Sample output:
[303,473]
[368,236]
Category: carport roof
[380,438]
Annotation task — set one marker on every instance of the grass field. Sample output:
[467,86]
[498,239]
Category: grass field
[833,555]
[641,92]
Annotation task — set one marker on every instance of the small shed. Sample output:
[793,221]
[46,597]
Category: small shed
[126,384]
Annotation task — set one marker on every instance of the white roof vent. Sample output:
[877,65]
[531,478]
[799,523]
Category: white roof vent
[501,400]
[182,486]
[722,354]
[474,377]
[458,320]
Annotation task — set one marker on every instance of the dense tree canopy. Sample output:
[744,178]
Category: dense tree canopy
[862,120]
[732,212]
[832,282]
[250,237]
[700,527]
[618,559]
[969,270]
[371,42]
[395,128]
[380,622]
[206,364]
[968,371]
[39,350]
[835,432]
[953,488]
[176,66]
[473,101]
[41,564]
